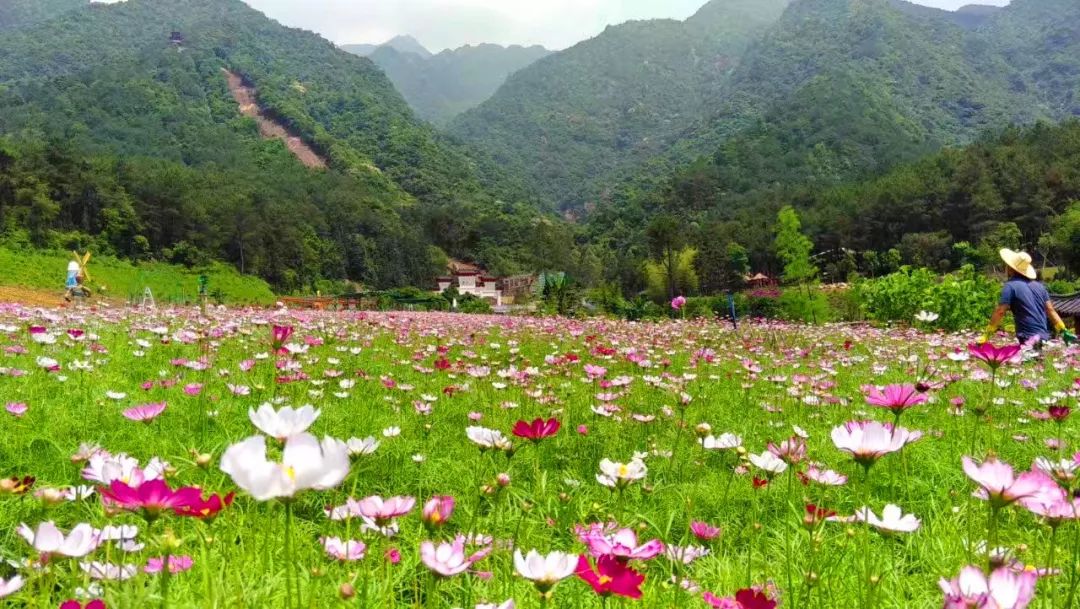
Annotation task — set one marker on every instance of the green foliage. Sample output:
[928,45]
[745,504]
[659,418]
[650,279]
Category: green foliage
[962,300]
[662,279]
[1063,240]
[20,13]
[806,304]
[439,87]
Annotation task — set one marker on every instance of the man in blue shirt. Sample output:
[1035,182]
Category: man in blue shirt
[1029,302]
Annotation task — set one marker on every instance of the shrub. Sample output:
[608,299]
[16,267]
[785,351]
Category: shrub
[962,300]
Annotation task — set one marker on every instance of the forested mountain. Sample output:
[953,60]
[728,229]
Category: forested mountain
[402,44]
[439,87]
[121,133]
[18,13]
[575,119]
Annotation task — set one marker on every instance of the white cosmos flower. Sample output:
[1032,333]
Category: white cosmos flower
[892,519]
[281,424]
[769,462]
[48,539]
[488,438]
[362,447]
[306,464]
[391,432]
[926,317]
[614,474]
[545,571]
[726,441]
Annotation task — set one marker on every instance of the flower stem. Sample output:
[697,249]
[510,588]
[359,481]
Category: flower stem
[1050,566]
[289,554]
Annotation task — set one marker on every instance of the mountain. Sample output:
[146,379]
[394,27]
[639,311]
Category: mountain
[121,124]
[401,44]
[439,87]
[17,13]
[576,118]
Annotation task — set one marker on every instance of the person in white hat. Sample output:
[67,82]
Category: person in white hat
[1029,301]
[71,284]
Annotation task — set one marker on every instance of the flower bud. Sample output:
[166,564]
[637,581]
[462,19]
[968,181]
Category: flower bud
[503,479]
[703,429]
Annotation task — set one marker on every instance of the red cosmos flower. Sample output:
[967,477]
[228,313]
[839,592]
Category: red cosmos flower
[1059,413]
[760,482]
[151,497]
[442,363]
[278,336]
[816,515]
[206,510]
[537,430]
[993,356]
[610,577]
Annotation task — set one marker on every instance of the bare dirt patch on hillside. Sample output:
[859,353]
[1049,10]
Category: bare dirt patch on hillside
[268,127]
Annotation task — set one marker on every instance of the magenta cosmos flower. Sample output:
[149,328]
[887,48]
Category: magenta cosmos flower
[278,336]
[1004,589]
[152,497]
[621,545]
[895,398]
[610,577]
[993,356]
[537,430]
[1000,485]
[747,598]
[448,559]
[868,441]
[145,412]
[678,302]
[704,531]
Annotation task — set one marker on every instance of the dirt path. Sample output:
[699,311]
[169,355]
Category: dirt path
[268,127]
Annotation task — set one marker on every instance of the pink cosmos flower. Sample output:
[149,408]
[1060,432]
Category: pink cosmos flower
[594,372]
[1004,589]
[73,604]
[145,412]
[791,451]
[343,550]
[193,389]
[278,336]
[438,510]
[152,497]
[17,409]
[704,531]
[868,441]
[610,577]
[1001,486]
[678,302]
[537,430]
[993,356]
[384,510]
[896,398]
[825,477]
[449,559]
[622,545]
[177,564]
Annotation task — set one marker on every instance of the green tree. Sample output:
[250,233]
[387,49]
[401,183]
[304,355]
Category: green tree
[666,238]
[794,248]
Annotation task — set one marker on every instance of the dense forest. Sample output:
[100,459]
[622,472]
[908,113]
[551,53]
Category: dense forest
[109,88]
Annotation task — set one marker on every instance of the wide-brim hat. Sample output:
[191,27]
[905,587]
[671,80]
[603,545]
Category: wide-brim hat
[1019,262]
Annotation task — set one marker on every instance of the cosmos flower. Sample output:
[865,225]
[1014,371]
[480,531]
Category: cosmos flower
[620,475]
[449,559]
[704,531]
[545,570]
[868,441]
[177,564]
[769,463]
[610,577]
[993,356]
[384,510]
[11,586]
[145,412]
[50,541]
[488,439]
[999,484]
[825,477]
[306,463]
[537,430]
[280,424]
[895,398]
[343,550]
[437,510]
[151,498]
[892,520]
[1004,589]
[622,545]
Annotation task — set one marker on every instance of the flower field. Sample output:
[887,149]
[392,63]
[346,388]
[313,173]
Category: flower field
[295,459]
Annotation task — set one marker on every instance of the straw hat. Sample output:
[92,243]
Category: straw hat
[1019,262]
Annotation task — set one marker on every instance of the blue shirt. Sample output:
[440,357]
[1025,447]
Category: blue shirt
[1027,299]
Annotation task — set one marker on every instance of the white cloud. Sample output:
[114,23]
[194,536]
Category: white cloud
[440,24]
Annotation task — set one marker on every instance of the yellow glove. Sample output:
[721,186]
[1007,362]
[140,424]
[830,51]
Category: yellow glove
[983,339]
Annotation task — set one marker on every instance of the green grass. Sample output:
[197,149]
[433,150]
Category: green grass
[240,561]
[114,278]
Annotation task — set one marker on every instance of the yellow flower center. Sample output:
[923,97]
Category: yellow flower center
[623,470]
[604,580]
[290,471]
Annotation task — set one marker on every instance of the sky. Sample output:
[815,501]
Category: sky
[441,24]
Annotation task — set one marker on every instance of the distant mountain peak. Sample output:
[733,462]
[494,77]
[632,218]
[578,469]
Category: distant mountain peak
[407,44]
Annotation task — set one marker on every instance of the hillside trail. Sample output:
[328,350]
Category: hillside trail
[268,127]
